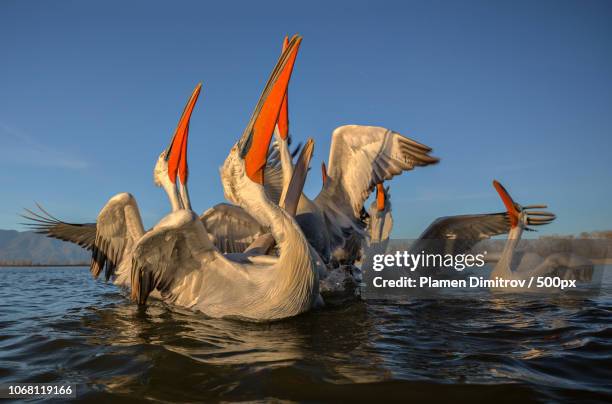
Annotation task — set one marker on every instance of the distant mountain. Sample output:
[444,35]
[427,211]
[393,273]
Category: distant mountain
[28,247]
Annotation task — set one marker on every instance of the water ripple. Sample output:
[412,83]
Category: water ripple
[59,325]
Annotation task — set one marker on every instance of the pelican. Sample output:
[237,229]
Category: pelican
[118,227]
[380,222]
[340,282]
[232,229]
[360,157]
[530,265]
[447,235]
[379,225]
[178,259]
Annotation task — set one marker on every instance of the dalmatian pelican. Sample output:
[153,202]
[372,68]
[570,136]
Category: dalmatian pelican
[178,259]
[378,230]
[380,222]
[118,227]
[530,264]
[360,157]
[460,233]
[445,235]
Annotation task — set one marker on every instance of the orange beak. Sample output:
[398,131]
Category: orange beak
[256,139]
[283,117]
[380,197]
[323,173]
[508,202]
[177,153]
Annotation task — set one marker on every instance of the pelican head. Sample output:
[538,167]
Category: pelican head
[380,221]
[523,216]
[172,162]
[249,155]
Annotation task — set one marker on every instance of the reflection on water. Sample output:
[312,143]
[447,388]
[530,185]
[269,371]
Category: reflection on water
[58,325]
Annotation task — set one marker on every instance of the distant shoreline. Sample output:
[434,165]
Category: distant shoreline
[41,265]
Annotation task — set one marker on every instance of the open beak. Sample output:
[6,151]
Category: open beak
[255,140]
[283,117]
[298,179]
[508,202]
[176,155]
[380,197]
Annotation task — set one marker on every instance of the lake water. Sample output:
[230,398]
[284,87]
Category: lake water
[59,325]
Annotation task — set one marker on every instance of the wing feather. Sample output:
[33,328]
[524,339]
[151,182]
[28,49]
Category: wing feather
[273,172]
[166,254]
[115,233]
[116,228]
[83,234]
[458,234]
[273,182]
[363,156]
[231,227]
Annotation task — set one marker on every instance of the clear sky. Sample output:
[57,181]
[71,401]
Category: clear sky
[90,93]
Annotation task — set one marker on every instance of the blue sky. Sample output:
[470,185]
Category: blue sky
[90,93]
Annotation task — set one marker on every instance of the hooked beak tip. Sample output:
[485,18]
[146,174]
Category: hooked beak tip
[266,116]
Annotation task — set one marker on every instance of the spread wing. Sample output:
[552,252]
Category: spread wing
[458,234]
[231,227]
[362,156]
[83,234]
[167,254]
[116,229]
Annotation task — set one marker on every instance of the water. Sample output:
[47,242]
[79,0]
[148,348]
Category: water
[59,325]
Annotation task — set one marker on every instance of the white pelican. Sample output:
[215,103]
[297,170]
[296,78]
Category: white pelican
[118,227]
[520,218]
[230,227]
[379,226]
[446,235]
[341,280]
[360,157]
[178,259]
[380,221]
